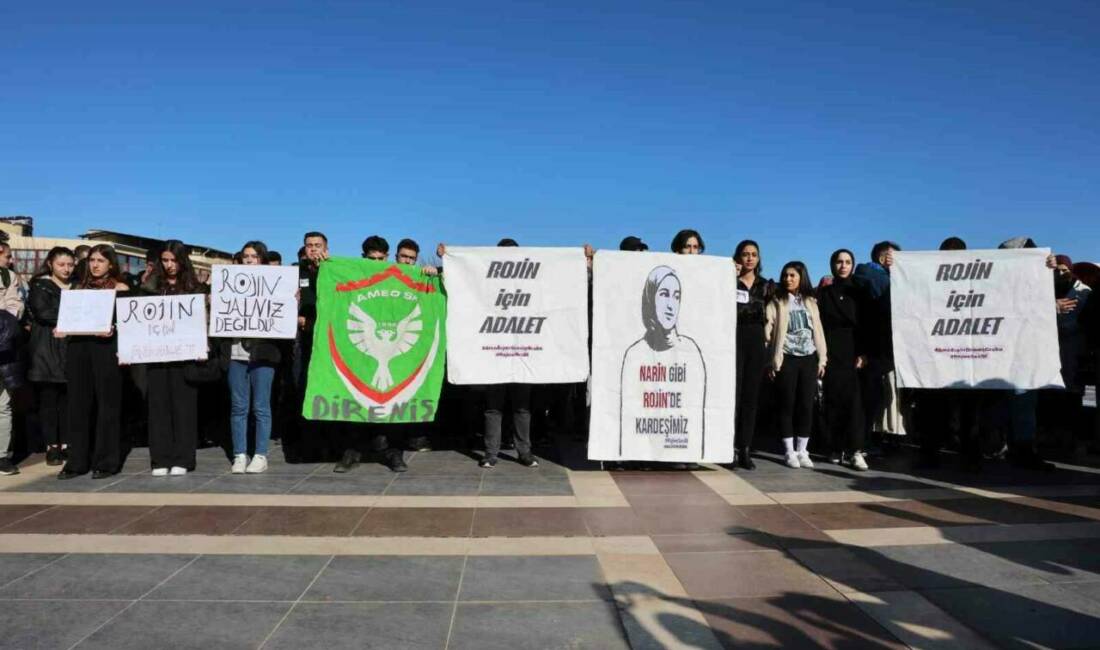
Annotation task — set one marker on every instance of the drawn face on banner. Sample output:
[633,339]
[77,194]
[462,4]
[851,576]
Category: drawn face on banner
[667,303]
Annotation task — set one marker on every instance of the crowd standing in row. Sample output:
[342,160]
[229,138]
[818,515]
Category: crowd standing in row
[808,359]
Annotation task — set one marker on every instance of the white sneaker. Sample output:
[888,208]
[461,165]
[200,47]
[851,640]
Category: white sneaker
[178,471]
[160,471]
[258,465]
[792,460]
[836,458]
[858,461]
[240,462]
[804,460]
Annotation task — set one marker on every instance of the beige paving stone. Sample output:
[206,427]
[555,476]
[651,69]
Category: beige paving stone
[871,537]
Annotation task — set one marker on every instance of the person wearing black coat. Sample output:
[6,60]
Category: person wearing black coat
[171,399]
[840,306]
[753,294]
[46,361]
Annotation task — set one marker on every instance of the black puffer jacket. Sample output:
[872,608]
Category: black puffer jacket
[11,370]
[47,354]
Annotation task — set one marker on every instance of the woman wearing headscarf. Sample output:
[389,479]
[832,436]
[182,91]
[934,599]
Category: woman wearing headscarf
[663,380]
[797,354]
[839,307]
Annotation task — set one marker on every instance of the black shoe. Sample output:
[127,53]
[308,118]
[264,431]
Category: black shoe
[348,462]
[489,462]
[528,460]
[395,460]
[420,444]
[53,456]
[7,468]
[744,460]
[67,474]
[102,473]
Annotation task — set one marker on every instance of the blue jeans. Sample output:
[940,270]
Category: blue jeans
[249,383]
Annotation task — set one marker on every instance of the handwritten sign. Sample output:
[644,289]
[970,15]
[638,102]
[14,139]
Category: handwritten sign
[155,329]
[86,311]
[254,302]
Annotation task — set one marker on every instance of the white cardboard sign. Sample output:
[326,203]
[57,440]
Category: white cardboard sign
[155,329]
[253,301]
[86,311]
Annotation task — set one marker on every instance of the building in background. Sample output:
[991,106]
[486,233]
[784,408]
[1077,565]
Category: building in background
[29,251]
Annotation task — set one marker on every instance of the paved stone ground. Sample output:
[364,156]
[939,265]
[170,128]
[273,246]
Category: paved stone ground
[565,556]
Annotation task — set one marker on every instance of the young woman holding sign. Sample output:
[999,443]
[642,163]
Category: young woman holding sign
[47,352]
[251,370]
[753,294]
[95,381]
[172,400]
[797,355]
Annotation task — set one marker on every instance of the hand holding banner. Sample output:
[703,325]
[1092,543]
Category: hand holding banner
[253,301]
[974,319]
[516,315]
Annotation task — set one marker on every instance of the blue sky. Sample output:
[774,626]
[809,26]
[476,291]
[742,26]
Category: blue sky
[803,126]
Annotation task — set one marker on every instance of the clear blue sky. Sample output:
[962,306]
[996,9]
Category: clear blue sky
[803,126]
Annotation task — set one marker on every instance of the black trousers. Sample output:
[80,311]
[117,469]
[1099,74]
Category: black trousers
[796,385]
[945,411]
[173,419]
[752,358]
[95,384]
[53,412]
[520,397]
[843,407]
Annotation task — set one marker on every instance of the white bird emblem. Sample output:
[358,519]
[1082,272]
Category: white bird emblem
[383,343]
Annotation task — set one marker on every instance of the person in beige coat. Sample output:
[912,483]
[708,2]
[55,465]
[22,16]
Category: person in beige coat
[796,358]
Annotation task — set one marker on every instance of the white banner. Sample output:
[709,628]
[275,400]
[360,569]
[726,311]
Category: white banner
[86,311]
[664,336]
[516,315]
[253,302]
[152,329]
[974,319]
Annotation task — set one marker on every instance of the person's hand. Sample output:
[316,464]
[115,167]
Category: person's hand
[589,251]
[1052,262]
[821,372]
[440,250]
[301,322]
[58,335]
[861,361]
[430,270]
[1066,305]
[888,261]
[737,268]
[771,374]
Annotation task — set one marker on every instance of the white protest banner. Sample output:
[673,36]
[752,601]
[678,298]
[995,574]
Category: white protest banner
[153,329]
[974,319]
[663,346]
[516,315]
[86,311]
[253,302]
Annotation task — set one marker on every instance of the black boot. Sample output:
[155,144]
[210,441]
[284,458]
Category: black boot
[348,462]
[395,460]
[744,460]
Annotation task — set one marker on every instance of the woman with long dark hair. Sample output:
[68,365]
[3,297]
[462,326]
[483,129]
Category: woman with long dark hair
[95,381]
[839,306]
[753,294]
[251,370]
[797,354]
[172,400]
[47,352]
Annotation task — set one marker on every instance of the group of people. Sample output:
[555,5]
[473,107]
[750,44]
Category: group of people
[809,359]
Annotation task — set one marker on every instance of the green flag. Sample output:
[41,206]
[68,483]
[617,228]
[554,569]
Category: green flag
[379,343]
